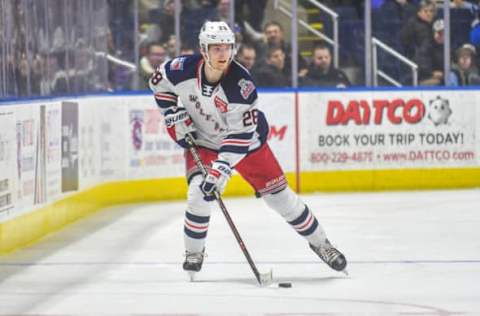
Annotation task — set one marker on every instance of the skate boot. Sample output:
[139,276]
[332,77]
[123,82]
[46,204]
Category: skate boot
[193,262]
[331,256]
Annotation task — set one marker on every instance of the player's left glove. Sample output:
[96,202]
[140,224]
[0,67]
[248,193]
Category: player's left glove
[216,179]
[179,124]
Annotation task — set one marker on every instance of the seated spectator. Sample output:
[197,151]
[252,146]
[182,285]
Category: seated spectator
[246,56]
[274,36]
[464,72]
[321,71]
[186,50]
[156,54]
[274,73]
[417,38]
[171,47]
[436,71]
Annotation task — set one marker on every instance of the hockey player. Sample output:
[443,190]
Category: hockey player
[213,98]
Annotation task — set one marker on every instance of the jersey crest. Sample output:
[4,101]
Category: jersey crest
[220,105]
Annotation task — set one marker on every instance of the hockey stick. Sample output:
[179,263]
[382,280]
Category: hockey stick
[264,279]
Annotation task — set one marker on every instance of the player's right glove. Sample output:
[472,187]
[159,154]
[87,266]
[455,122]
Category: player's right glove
[216,179]
[179,124]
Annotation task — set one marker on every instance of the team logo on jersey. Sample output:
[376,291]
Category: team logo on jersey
[177,63]
[246,88]
[221,105]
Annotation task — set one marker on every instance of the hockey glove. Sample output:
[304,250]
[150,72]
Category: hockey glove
[179,124]
[216,179]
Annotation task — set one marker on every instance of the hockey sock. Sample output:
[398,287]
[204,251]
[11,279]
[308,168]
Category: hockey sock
[307,225]
[296,213]
[195,229]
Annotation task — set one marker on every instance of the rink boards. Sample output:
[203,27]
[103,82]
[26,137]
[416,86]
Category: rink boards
[61,159]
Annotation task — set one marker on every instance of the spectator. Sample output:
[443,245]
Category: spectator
[246,56]
[475,36]
[462,4]
[464,72]
[274,73]
[54,79]
[256,13]
[274,36]
[156,54]
[165,19]
[186,50]
[403,9]
[223,11]
[171,46]
[436,73]
[82,76]
[321,71]
[417,38]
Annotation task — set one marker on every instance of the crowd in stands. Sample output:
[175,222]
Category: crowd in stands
[413,27]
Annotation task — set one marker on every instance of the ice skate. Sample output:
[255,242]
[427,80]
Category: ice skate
[331,256]
[193,263]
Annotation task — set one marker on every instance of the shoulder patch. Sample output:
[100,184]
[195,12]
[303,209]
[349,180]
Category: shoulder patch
[239,86]
[182,68]
[246,87]
[177,63]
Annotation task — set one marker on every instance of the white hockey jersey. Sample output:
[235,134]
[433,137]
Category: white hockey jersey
[225,115]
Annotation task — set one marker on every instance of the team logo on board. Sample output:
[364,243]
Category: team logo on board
[439,111]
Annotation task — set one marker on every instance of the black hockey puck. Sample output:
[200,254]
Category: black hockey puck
[285,284]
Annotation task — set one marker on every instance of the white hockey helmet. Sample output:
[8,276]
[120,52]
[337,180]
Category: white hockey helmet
[216,32]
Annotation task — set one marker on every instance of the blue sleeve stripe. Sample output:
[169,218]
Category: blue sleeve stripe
[240,136]
[165,104]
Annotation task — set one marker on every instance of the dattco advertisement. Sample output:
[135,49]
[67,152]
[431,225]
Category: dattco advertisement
[407,129]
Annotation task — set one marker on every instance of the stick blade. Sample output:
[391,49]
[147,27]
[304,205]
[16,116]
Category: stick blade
[266,279]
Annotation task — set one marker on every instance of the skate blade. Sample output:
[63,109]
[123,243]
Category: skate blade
[192,275]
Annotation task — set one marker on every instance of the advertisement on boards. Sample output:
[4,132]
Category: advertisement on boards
[151,151]
[112,130]
[53,142]
[8,156]
[388,130]
[70,146]
[89,141]
[27,129]
[279,110]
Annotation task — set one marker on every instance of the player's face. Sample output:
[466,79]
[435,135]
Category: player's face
[220,55]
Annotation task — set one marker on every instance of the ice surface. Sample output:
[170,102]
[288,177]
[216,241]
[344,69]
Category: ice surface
[410,253]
